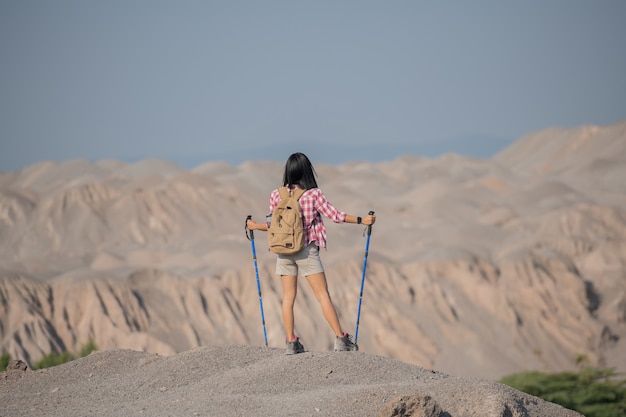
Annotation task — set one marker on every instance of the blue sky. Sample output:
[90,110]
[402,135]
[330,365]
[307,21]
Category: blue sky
[195,81]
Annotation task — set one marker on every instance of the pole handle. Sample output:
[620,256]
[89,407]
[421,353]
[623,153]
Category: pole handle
[251,236]
[369,228]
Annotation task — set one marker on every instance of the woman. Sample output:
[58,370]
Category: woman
[299,172]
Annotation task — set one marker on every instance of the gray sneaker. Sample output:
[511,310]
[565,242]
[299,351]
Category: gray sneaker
[345,343]
[294,347]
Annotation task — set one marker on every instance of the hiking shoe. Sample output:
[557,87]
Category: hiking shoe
[345,343]
[294,347]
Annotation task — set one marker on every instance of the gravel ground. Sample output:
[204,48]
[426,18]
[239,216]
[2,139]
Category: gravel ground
[255,381]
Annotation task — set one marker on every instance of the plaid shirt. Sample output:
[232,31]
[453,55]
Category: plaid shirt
[313,204]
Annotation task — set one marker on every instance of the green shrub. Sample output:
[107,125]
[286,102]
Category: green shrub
[4,361]
[88,348]
[54,359]
[591,392]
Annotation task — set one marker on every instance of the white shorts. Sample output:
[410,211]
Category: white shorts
[306,262]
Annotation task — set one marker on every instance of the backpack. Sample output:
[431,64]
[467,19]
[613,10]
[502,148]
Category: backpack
[286,232]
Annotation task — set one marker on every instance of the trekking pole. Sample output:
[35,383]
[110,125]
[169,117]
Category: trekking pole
[367,247]
[256,269]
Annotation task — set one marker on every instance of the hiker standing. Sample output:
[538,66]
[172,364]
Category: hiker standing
[300,175]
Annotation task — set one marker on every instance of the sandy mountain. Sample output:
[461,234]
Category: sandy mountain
[557,150]
[254,381]
[477,267]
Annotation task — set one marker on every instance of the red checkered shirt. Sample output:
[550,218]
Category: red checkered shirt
[313,204]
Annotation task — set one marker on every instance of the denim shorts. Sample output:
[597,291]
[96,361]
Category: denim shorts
[306,262]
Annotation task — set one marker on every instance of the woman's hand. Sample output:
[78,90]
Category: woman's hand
[368,220]
[252,225]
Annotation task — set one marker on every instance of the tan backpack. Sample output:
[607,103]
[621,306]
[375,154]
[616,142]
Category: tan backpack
[286,232]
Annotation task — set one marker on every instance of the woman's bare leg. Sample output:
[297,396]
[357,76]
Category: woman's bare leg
[320,289]
[290,289]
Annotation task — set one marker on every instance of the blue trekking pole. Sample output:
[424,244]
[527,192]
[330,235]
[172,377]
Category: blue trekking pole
[256,269]
[367,248]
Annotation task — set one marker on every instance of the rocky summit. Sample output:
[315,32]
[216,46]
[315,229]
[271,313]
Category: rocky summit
[231,381]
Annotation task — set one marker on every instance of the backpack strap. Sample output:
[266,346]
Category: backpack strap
[297,193]
[284,193]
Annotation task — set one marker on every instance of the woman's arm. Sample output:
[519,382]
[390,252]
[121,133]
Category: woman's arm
[252,225]
[327,209]
[367,220]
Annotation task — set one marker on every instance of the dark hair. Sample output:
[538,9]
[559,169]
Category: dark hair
[299,171]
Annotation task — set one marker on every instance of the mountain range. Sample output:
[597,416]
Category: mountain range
[476,267]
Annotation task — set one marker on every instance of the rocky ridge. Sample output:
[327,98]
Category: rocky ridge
[254,381]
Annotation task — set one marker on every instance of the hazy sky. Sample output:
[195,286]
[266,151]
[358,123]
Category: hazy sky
[193,81]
